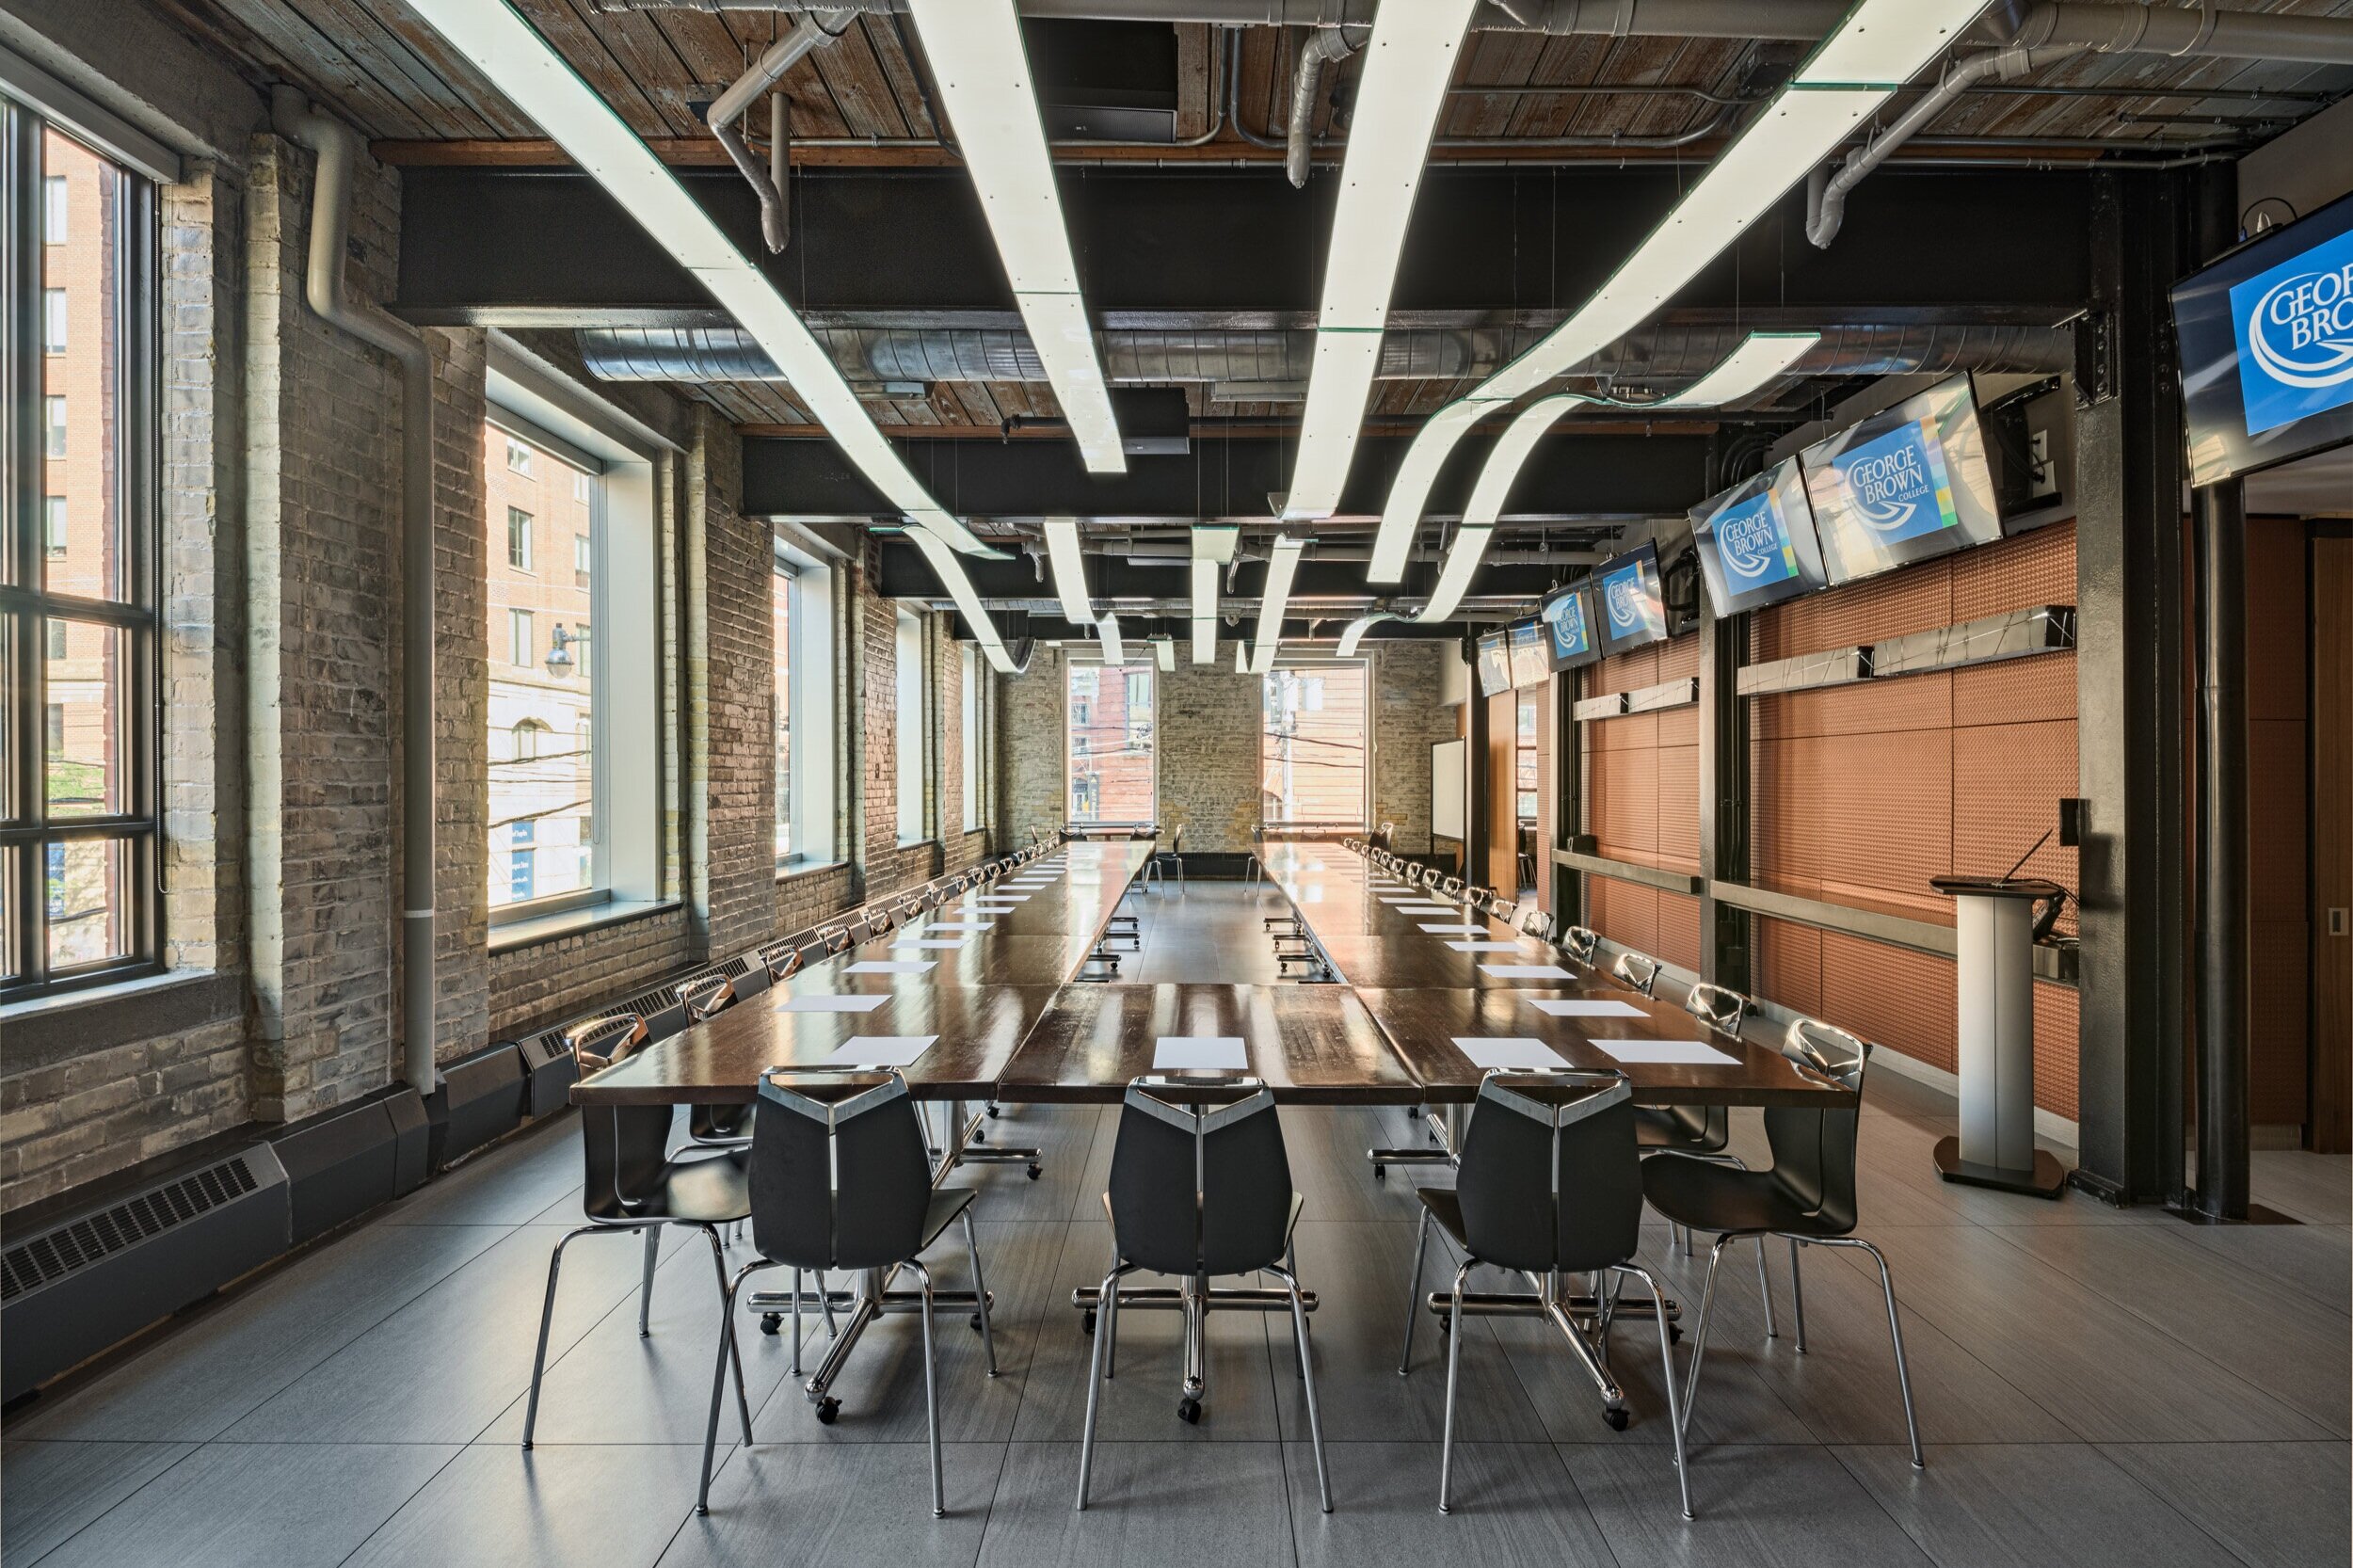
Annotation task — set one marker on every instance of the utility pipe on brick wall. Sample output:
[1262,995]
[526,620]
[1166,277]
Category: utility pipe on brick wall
[337,149]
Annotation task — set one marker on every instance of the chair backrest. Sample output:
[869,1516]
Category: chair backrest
[833,938]
[1200,1188]
[1813,1149]
[624,1148]
[1451,887]
[1582,943]
[1177,840]
[597,1043]
[1720,1007]
[1637,970]
[705,994]
[782,960]
[840,1177]
[1550,1177]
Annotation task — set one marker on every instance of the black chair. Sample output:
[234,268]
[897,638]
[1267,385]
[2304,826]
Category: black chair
[1548,1183]
[1198,1191]
[1163,861]
[840,1179]
[634,1185]
[1807,1196]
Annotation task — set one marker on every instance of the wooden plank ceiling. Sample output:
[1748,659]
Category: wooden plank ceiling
[381,67]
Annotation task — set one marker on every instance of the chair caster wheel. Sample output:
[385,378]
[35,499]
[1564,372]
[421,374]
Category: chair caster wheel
[1086,1324]
[1617,1419]
[976,1322]
[829,1411]
[1035,1170]
[771,1323]
[992,1112]
[1189,1410]
[1380,1173]
[1674,1333]
[979,1135]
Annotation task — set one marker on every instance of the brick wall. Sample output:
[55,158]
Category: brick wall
[1409,720]
[461,682]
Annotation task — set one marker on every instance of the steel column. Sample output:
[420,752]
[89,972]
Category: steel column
[2221,1188]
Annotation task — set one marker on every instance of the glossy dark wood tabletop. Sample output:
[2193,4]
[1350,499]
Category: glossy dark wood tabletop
[718,1061]
[1422,1025]
[1313,1045]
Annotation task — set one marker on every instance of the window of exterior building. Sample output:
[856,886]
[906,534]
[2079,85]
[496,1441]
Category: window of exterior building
[1311,747]
[800,593]
[971,742]
[79,819]
[518,533]
[583,558]
[1524,761]
[910,729]
[1110,754]
[519,644]
[518,459]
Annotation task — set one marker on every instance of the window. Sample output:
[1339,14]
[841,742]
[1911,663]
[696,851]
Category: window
[543,775]
[1311,747]
[584,559]
[79,821]
[1109,751]
[800,590]
[910,729]
[1524,761]
[972,740]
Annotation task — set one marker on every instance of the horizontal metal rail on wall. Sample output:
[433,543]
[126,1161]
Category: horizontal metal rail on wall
[1685,882]
[1680,692]
[2013,635]
[2052,962]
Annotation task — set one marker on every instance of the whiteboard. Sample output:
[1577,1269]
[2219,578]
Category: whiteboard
[1449,784]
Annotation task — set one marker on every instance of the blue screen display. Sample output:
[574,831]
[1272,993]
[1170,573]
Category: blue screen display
[1896,485]
[1753,543]
[1633,611]
[1572,634]
[2294,324]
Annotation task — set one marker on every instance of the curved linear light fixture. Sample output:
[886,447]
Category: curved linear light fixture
[1070,570]
[1879,46]
[541,83]
[1409,61]
[1281,566]
[982,71]
[1114,651]
[1212,547]
[950,572]
[1353,632]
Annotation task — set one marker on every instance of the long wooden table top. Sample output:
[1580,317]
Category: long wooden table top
[1312,1045]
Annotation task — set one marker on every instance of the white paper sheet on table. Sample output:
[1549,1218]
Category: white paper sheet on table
[1485,946]
[1423,908]
[1197,1053]
[1525,971]
[831,1003]
[995,899]
[921,942]
[958,926]
[1692,1054]
[889,966]
[1585,1009]
[1488,1052]
[880,1050]
[1466,929]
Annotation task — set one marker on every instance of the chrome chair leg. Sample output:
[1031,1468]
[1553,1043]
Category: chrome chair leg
[1699,1330]
[931,1393]
[735,1351]
[1412,1295]
[1666,1374]
[719,1375]
[796,1317]
[645,1290]
[1453,1375]
[1797,1293]
[1765,1289]
[1307,1376]
[1895,1332]
[547,1316]
[979,1294]
[1107,1318]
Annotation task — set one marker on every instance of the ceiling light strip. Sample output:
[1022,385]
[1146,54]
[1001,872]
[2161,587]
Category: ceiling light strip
[1114,650]
[1282,565]
[1408,62]
[1211,549]
[541,84]
[950,572]
[1070,570]
[982,71]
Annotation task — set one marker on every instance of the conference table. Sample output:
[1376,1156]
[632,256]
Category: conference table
[989,997]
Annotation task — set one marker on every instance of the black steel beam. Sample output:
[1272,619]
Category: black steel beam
[503,246]
[2223,984]
[2128,684]
[1621,476]
[903,573]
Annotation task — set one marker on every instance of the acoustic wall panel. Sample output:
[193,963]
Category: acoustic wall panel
[1678,929]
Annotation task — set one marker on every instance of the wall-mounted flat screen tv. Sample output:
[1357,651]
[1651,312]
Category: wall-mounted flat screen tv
[1529,665]
[1757,541]
[1567,618]
[1495,664]
[1906,485]
[1633,607]
[2267,345]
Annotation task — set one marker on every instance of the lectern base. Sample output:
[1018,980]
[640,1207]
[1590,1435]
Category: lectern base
[2044,1181]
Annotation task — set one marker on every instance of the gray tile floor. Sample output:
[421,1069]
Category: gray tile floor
[2095,1387]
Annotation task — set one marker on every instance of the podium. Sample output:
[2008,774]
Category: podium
[1995,919]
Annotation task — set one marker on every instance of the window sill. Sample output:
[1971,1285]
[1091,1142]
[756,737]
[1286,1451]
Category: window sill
[571,923]
[138,988]
[795,873]
[918,842]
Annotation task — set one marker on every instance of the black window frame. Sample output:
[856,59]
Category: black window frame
[26,607]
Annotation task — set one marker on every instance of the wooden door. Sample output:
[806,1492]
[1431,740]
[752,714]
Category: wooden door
[2333,842]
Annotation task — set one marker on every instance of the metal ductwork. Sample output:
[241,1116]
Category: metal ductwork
[1324,43]
[1802,20]
[1166,355]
